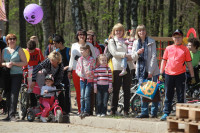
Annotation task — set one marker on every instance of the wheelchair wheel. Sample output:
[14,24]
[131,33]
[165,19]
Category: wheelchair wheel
[59,116]
[30,116]
[23,103]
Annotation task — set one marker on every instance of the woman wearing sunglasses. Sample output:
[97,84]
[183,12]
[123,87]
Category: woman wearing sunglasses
[13,57]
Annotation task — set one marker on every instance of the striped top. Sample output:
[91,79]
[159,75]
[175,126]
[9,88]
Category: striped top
[102,76]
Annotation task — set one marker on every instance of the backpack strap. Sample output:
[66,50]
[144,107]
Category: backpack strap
[67,53]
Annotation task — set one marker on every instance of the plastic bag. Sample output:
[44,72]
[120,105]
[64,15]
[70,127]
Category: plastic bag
[147,89]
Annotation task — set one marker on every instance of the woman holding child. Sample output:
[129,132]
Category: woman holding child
[118,49]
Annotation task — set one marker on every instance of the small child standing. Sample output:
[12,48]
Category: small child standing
[102,85]
[47,102]
[85,70]
[129,42]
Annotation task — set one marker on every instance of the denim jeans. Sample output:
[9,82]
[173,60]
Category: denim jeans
[145,105]
[102,98]
[124,62]
[85,96]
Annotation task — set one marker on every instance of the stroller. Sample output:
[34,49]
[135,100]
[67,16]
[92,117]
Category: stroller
[55,113]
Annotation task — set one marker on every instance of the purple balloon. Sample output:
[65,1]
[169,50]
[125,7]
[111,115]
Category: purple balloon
[33,13]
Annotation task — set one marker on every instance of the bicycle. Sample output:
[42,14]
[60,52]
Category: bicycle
[56,116]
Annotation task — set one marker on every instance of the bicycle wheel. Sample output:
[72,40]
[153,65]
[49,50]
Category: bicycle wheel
[23,103]
[136,105]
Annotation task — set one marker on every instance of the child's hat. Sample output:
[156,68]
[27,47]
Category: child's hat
[177,32]
[49,77]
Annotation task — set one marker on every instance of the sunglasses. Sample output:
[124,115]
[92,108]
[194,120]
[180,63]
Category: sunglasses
[12,39]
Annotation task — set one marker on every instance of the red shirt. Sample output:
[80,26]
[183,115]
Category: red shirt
[35,57]
[176,56]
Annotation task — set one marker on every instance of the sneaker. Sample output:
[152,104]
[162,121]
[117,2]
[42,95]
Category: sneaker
[98,115]
[13,119]
[103,115]
[142,116]
[43,119]
[153,116]
[164,117]
[84,115]
[123,73]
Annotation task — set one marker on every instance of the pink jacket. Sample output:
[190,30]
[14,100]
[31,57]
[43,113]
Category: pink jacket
[88,68]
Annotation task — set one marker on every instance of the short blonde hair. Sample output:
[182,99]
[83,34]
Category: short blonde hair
[139,28]
[55,56]
[116,27]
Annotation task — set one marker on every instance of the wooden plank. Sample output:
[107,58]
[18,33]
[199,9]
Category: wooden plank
[172,126]
[191,128]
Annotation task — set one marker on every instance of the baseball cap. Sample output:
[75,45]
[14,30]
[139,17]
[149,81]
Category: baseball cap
[49,77]
[177,32]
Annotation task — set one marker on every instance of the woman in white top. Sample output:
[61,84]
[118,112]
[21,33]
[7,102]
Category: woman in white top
[81,37]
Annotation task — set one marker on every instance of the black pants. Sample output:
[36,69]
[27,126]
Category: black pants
[125,82]
[13,93]
[172,82]
[64,98]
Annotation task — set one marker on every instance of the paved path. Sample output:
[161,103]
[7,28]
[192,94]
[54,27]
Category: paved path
[39,127]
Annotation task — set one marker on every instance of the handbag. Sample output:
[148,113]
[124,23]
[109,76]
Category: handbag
[147,89]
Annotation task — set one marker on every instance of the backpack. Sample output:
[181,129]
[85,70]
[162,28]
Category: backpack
[107,53]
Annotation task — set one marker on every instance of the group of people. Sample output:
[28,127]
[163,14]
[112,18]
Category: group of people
[87,63]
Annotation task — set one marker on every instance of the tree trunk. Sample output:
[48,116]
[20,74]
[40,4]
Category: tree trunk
[128,15]
[134,6]
[108,20]
[48,21]
[144,12]
[161,9]
[170,18]
[198,28]
[84,14]
[113,13]
[76,16]
[22,24]
[7,16]
[121,11]
[154,19]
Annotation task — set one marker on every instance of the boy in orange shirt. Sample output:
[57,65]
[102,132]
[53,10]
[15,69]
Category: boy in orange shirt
[173,63]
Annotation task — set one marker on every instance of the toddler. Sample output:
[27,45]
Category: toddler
[129,43]
[47,102]
[102,84]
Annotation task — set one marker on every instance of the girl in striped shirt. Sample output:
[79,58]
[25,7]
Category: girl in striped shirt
[102,84]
